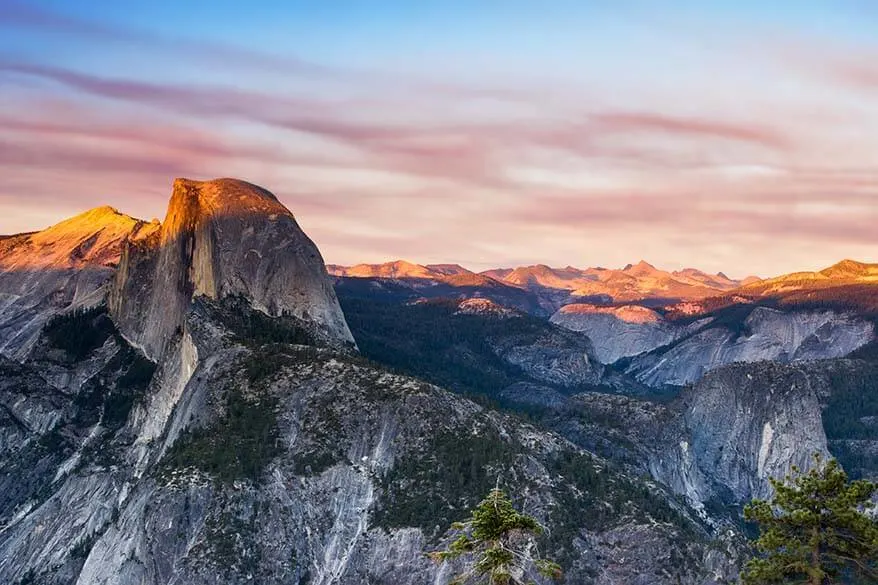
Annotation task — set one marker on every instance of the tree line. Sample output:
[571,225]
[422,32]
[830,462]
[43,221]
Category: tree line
[816,530]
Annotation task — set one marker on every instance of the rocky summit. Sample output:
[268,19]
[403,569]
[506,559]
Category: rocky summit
[199,401]
[221,238]
[64,267]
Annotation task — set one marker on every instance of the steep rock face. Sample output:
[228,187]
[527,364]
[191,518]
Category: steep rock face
[63,267]
[222,238]
[258,449]
[741,425]
[669,352]
[618,332]
[766,334]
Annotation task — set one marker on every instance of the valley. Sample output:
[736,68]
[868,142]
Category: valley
[203,400]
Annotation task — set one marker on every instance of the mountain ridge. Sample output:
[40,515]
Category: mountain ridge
[632,283]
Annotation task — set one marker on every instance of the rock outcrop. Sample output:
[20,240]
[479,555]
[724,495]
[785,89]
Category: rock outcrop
[665,352]
[621,331]
[277,463]
[741,425]
[259,449]
[221,238]
[765,334]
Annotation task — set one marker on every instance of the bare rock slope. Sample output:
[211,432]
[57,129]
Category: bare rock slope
[665,352]
[58,269]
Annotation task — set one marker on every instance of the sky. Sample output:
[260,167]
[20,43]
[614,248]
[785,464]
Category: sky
[736,136]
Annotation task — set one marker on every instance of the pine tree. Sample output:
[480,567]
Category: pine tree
[815,530]
[501,543]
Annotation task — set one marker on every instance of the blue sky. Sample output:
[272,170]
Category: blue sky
[735,136]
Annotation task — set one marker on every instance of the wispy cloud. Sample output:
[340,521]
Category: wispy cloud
[472,152]
[450,169]
[762,134]
[778,213]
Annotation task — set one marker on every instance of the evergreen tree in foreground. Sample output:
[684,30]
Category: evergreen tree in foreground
[815,530]
[501,543]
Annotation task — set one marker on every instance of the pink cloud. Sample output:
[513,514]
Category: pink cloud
[773,212]
[645,122]
[699,173]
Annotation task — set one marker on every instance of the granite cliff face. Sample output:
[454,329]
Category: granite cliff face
[765,334]
[207,418]
[346,484]
[221,238]
[741,425]
[665,352]
[618,332]
[282,463]
[744,423]
[58,269]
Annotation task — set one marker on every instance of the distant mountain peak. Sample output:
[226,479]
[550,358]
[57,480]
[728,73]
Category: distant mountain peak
[92,237]
[848,268]
[636,281]
[449,269]
[392,269]
[846,272]
[642,268]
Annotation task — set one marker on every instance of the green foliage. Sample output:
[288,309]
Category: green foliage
[263,363]
[79,332]
[501,543]
[130,387]
[314,462]
[238,445]
[430,341]
[254,328]
[100,399]
[850,407]
[858,298]
[814,530]
[138,374]
[29,578]
[83,547]
[451,473]
[596,498]
[110,395]
[231,534]
[854,396]
[54,442]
